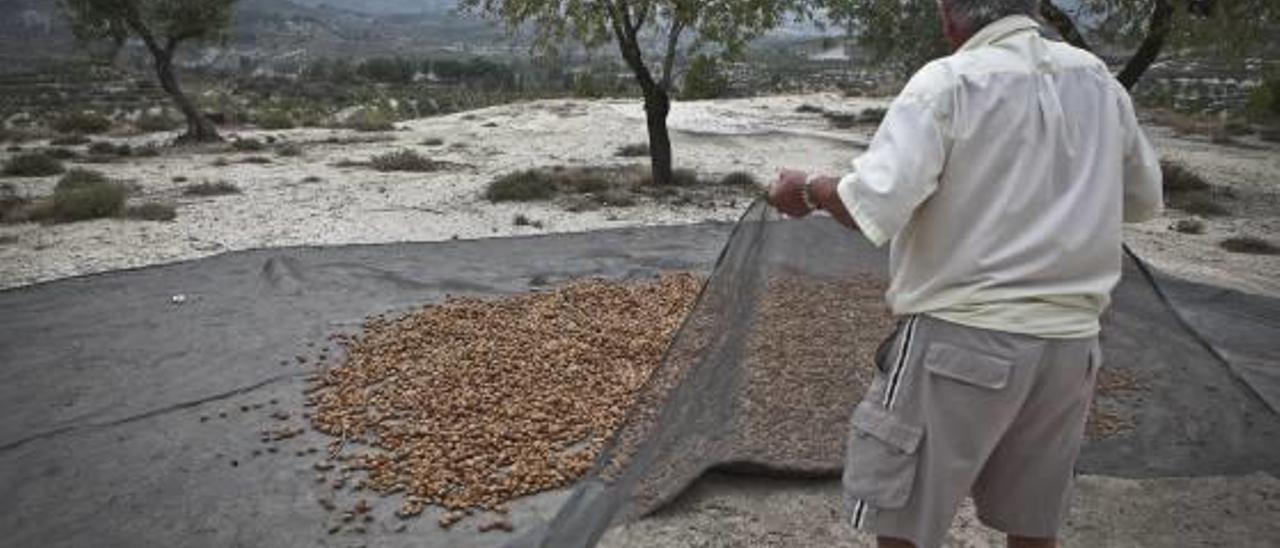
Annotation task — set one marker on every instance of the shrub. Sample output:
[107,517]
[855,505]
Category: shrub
[432,142]
[703,79]
[633,150]
[1177,178]
[89,201]
[1264,101]
[1189,226]
[70,141]
[872,115]
[152,123]
[214,188]
[370,120]
[257,160]
[81,122]
[11,204]
[739,178]
[289,150]
[149,150]
[248,145]
[33,164]
[522,186]
[1199,204]
[841,120]
[80,178]
[312,179]
[684,177]
[60,153]
[522,220]
[179,178]
[275,119]
[152,211]
[104,148]
[809,109]
[1250,245]
[404,160]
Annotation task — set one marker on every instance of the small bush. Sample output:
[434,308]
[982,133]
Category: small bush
[841,120]
[1189,226]
[80,178]
[739,178]
[70,141]
[522,220]
[257,160]
[180,178]
[152,211]
[91,201]
[633,150]
[211,188]
[149,150]
[1177,178]
[809,109]
[153,123]
[312,179]
[872,115]
[1200,204]
[60,153]
[1249,245]
[248,145]
[704,79]
[221,162]
[404,160]
[289,150]
[432,142]
[684,177]
[522,186]
[82,122]
[105,148]
[33,164]
[371,120]
[11,204]
[275,119]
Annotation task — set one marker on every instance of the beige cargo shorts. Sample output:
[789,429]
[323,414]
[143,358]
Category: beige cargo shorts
[956,411]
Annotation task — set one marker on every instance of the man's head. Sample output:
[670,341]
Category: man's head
[961,19]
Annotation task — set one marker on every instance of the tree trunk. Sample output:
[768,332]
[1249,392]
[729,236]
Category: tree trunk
[1157,32]
[199,128]
[656,106]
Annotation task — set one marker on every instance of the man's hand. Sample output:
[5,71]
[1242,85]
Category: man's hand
[787,193]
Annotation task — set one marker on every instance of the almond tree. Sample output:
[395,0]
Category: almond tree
[162,26]
[634,25]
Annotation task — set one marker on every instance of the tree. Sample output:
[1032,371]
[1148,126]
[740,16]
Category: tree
[633,25]
[162,26]
[908,30]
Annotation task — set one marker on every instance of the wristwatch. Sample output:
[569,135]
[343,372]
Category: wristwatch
[807,193]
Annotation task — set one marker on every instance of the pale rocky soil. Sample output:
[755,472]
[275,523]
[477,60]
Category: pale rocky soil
[358,205]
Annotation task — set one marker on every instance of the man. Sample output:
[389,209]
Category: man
[1001,174]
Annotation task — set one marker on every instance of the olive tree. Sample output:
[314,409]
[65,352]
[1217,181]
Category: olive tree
[162,26]
[648,34]
[907,31]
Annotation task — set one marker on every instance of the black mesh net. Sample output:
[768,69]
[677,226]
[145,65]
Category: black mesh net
[766,369]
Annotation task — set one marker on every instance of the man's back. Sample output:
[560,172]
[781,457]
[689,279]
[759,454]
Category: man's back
[1008,216]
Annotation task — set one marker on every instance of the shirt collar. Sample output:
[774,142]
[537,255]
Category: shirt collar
[999,30]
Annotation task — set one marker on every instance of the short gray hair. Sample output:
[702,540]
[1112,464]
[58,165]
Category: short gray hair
[976,14]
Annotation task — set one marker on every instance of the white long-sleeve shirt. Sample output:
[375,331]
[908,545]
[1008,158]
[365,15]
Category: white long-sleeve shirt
[1002,174]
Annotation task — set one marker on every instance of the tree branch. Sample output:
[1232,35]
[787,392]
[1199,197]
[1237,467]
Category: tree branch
[673,45]
[1157,31]
[1063,23]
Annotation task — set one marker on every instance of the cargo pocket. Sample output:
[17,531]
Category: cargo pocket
[967,366]
[880,466]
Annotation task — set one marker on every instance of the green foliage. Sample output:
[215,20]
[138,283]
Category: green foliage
[289,150]
[87,201]
[33,164]
[106,148]
[168,21]
[633,150]
[1264,100]
[740,179]
[248,144]
[1178,178]
[1189,226]
[371,120]
[703,79]
[1250,245]
[60,153]
[522,186]
[274,119]
[152,123]
[81,123]
[80,178]
[211,188]
[152,211]
[70,140]
[404,160]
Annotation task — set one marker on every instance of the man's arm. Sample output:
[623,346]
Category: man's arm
[1143,181]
